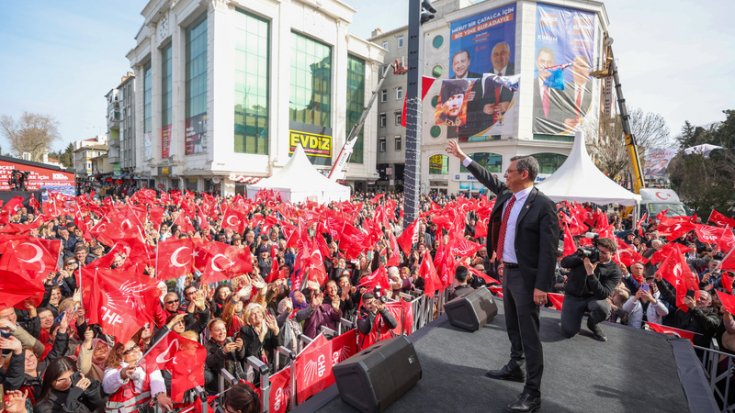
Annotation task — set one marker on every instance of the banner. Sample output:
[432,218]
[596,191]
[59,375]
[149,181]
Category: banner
[317,147]
[314,368]
[656,161]
[195,140]
[483,45]
[166,141]
[562,90]
[38,178]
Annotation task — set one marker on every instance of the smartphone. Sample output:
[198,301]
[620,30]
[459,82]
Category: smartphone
[59,317]
[645,287]
[690,293]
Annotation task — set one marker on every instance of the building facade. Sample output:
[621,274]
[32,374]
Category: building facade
[561,40]
[84,153]
[225,90]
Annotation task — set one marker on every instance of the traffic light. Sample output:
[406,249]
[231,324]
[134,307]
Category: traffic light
[427,11]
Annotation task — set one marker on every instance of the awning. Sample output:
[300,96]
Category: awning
[245,179]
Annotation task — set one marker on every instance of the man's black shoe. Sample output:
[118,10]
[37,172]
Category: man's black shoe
[507,373]
[524,403]
[597,332]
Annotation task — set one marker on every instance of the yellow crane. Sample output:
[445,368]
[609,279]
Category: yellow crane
[610,69]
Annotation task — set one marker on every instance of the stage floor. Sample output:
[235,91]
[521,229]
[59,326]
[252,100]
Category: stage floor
[634,371]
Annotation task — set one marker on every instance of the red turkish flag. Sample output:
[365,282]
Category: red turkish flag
[727,280]
[17,287]
[20,229]
[720,219]
[728,301]
[183,222]
[134,251]
[432,283]
[35,256]
[689,335]
[280,391]
[119,302]
[488,279]
[234,220]
[640,223]
[395,254]
[626,254]
[175,258]
[556,300]
[408,237]
[726,242]
[344,346]
[314,368]
[402,311]
[569,246]
[183,358]
[213,260]
[378,277]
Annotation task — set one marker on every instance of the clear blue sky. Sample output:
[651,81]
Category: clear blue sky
[60,57]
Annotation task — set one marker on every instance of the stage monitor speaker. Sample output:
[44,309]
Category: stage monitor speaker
[374,378]
[472,311]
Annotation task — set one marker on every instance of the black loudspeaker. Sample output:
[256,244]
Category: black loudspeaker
[473,310]
[374,378]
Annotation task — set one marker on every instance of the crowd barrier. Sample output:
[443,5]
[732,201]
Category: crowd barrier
[719,368]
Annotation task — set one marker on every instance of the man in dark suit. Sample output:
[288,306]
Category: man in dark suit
[548,116]
[524,232]
[577,94]
[496,97]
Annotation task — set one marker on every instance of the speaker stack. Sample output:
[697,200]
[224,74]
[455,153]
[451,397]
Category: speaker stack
[472,311]
[374,378]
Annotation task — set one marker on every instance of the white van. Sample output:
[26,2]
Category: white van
[655,200]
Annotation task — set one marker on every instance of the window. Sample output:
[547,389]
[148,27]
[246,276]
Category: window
[438,165]
[399,93]
[385,45]
[166,100]
[196,88]
[384,95]
[311,82]
[252,68]
[355,103]
[399,144]
[492,162]
[381,144]
[400,41]
[147,99]
[397,118]
[382,120]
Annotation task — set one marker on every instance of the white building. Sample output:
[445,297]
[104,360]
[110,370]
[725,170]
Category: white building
[225,89]
[478,27]
[85,151]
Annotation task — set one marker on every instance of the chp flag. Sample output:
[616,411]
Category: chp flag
[314,368]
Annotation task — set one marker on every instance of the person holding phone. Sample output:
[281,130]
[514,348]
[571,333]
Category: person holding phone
[646,305]
[699,316]
[64,389]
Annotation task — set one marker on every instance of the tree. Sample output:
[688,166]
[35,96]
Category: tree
[33,133]
[649,129]
[609,151]
[65,157]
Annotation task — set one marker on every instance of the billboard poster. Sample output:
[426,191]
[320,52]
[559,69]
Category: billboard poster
[195,140]
[38,178]
[562,94]
[482,48]
[656,162]
[166,141]
[317,147]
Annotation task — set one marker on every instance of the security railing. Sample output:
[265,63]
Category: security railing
[719,368]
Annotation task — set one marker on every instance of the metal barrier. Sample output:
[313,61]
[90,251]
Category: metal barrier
[291,356]
[719,367]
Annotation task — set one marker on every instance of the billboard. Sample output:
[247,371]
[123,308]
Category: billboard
[562,94]
[38,178]
[166,141]
[195,140]
[656,161]
[482,47]
[317,147]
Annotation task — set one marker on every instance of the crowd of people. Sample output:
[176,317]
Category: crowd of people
[57,356]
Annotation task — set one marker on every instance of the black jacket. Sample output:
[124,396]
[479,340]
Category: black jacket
[600,286]
[537,230]
[366,319]
[73,400]
[14,376]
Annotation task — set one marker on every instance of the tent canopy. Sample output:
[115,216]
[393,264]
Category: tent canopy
[299,181]
[578,179]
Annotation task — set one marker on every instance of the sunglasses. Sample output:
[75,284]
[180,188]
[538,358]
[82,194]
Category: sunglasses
[130,350]
[172,302]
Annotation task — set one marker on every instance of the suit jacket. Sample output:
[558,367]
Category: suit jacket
[537,230]
[553,122]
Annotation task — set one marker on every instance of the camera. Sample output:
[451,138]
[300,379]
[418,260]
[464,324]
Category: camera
[378,292]
[590,252]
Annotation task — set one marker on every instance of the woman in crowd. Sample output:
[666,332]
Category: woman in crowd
[260,334]
[222,353]
[65,390]
[241,398]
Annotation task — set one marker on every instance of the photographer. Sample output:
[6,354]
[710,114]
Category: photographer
[375,322]
[593,277]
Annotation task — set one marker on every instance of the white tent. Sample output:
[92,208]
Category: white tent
[704,149]
[578,179]
[299,181]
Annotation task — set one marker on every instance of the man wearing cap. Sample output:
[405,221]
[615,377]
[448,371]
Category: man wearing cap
[524,233]
[375,322]
[460,283]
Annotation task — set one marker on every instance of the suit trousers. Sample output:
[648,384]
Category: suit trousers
[574,309]
[522,324]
